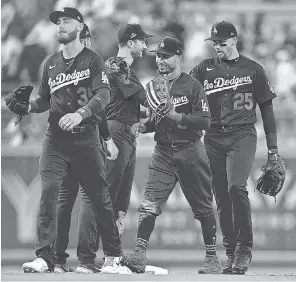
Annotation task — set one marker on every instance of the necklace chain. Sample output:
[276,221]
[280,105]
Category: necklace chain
[173,80]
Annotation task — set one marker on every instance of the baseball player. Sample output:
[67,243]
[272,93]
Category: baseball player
[69,190]
[122,112]
[234,85]
[85,36]
[74,88]
[179,155]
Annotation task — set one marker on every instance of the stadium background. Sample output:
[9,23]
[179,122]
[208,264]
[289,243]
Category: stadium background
[267,33]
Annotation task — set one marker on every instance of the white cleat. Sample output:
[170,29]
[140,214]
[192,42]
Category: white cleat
[39,265]
[112,266]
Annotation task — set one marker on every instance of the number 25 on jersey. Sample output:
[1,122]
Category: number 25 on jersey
[243,100]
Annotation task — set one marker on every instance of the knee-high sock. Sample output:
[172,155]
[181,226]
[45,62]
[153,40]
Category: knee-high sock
[208,227]
[145,228]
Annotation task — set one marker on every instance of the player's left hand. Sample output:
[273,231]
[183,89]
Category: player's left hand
[68,121]
[112,150]
[273,174]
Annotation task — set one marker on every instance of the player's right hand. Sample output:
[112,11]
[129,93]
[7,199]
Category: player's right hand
[112,150]
[68,121]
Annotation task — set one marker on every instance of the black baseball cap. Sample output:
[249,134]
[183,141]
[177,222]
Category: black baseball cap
[169,46]
[85,32]
[222,31]
[132,32]
[66,12]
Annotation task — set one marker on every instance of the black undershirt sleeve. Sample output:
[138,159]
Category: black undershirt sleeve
[269,123]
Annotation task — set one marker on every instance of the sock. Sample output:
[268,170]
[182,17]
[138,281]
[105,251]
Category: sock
[141,244]
[145,228]
[208,228]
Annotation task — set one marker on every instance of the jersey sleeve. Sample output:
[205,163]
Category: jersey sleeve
[200,103]
[134,87]
[42,102]
[263,90]
[197,72]
[200,117]
[99,78]
[44,89]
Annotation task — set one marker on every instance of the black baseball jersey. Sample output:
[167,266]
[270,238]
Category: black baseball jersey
[233,89]
[69,86]
[189,99]
[125,100]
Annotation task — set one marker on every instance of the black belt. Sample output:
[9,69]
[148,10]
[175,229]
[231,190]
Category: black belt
[175,143]
[230,126]
[81,128]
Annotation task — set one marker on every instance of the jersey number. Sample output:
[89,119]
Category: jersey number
[243,100]
[204,106]
[85,94]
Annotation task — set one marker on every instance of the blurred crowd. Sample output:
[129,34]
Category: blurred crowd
[28,38]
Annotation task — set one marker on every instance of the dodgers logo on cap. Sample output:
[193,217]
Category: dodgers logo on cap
[133,35]
[169,46]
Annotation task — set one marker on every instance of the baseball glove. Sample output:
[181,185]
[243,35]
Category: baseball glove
[136,261]
[158,96]
[18,101]
[273,176]
[117,67]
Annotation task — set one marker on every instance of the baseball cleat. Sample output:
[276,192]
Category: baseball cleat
[136,261]
[241,263]
[211,265]
[112,266]
[94,267]
[39,265]
[227,269]
[62,268]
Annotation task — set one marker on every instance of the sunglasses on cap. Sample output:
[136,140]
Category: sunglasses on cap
[164,56]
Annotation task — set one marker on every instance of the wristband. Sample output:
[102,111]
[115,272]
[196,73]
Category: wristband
[84,112]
